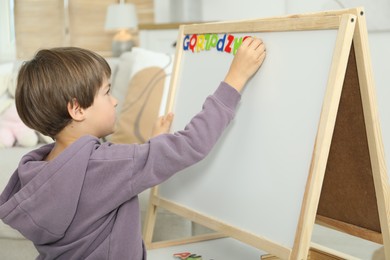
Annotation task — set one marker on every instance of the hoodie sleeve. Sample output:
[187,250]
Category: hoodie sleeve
[167,154]
[118,172]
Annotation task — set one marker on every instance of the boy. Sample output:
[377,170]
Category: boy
[77,198]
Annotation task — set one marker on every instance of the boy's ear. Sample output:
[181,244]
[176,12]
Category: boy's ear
[75,110]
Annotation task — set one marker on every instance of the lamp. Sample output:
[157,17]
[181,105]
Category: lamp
[121,17]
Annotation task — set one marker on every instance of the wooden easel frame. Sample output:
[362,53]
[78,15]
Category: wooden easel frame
[352,27]
[374,137]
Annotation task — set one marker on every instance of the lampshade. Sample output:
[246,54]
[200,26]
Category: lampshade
[121,16]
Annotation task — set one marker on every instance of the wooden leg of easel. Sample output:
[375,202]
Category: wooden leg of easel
[184,241]
[150,219]
[318,252]
[379,254]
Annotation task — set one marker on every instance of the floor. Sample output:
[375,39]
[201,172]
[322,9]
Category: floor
[359,248]
[230,249]
[226,248]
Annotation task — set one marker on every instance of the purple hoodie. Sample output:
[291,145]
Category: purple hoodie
[84,205]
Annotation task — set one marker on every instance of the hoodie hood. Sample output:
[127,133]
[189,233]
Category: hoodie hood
[37,201]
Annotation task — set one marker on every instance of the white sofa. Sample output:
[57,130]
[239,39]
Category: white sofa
[12,244]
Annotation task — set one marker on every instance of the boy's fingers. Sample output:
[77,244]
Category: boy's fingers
[169,116]
[256,44]
[260,44]
[247,41]
[261,57]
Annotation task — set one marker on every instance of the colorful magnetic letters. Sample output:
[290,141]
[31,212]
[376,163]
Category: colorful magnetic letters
[205,42]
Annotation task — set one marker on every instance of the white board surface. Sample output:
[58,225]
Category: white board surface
[255,177]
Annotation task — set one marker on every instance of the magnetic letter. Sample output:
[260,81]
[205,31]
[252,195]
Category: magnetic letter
[213,40]
[186,42]
[237,43]
[221,43]
[193,42]
[200,43]
[230,39]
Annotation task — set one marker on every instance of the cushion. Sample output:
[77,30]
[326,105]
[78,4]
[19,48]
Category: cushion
[132,62]
[142,97]
[141,106]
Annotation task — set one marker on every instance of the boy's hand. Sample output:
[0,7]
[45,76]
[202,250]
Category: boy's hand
[246,62]
[162,125]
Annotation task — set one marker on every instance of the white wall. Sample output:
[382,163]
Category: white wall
[7,48]
[241,9]
[168,11]
[378,11]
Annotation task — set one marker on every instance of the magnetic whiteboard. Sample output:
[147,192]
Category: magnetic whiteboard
[261,183]
[256,175]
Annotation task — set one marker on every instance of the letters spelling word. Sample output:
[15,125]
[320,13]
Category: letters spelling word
[205,42]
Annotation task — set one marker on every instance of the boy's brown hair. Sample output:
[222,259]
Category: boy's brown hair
[54,78]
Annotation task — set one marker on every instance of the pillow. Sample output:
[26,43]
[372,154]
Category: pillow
[132,62]
[141,107]
[141,86]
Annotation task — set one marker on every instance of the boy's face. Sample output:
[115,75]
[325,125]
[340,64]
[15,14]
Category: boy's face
[101,115]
